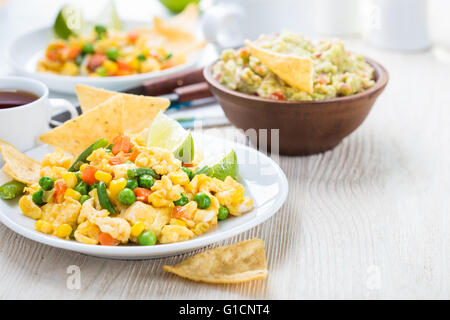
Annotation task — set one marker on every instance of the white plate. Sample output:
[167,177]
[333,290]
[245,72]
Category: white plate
[263,179]
[26,50]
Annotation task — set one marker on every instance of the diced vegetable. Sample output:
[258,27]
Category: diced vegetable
[38,197]
[88,175]
[137,172]
[127,197]
[203,200]
[101,143]
[46,183]
[106,239]
[147,238]
[223,213]
[142,194]
[121,143]
[11,190]
[182,201]
[146,181]
[103,198]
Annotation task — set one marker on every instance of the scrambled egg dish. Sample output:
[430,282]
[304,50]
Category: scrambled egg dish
[126,192]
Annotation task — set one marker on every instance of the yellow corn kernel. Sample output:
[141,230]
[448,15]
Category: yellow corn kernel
[72,194]
[110,66]
[137,229]
[38,224]
[200,228]
[177,222]
[134,64]
[71,179]
[63,230]
[43,226]
[103,176]
[116,186]
[83,166]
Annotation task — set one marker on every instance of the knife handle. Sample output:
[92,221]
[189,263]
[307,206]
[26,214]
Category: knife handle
[167,84]
[193,92]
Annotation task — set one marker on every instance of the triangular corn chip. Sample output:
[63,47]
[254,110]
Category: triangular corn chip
[104,121]
[139,111]
[295,71]
[18,165]
[186,20]
[239,262]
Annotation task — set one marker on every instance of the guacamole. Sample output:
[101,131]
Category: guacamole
[337,72]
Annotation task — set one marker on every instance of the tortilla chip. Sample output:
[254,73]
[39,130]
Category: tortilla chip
[239,262]
[139,111]
[295,71]
[104,121]
[18,165]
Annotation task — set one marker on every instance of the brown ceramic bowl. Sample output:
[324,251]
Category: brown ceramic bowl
[306,127]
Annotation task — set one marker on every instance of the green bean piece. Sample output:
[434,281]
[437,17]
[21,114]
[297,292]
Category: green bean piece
[182,201]
[82,187]
[101,143]
[137,172]
[11,190]
[103,198]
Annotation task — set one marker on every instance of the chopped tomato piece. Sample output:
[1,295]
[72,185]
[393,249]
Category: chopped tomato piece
[121,143]
[60,189]
[278,96]
[88,175]
[106,239]
[96,61]
[52,55]
[142,194]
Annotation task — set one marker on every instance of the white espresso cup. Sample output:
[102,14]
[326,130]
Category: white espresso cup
[22,125]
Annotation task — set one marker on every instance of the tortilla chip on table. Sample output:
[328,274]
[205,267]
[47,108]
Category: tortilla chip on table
[238,262]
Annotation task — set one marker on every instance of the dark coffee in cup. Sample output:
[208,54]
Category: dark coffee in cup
[10,98]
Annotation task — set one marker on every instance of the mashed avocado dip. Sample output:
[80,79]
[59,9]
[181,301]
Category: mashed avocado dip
[337,72]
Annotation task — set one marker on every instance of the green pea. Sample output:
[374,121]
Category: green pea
[146,181]
[223,213]
[126,196]
[112,53]
[83,198]
[132,184]
[38,197]
[141,57]
[82,187]
[182,201]
[147,238]
[203,200]
[101,71]
[189,172]
[87,48]
[46,183]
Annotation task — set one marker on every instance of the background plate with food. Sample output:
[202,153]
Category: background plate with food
[103,56]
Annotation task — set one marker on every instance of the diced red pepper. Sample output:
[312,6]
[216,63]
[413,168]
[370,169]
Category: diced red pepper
[142,194]
[60,189]
[88,175]
[116,160]
[167,64]
[134,154]
[73,52]
[121,143]
[178,212]
[123,66]
[188,165]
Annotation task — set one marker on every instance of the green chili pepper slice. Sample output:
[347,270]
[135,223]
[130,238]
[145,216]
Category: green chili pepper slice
[101,143]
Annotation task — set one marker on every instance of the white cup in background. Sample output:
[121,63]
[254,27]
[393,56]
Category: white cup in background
[229,22]
[21,126]
[398,24]
[338,18]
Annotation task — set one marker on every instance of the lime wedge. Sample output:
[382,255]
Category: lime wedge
[164,132]
[109,17]
[222,168]
[69,21]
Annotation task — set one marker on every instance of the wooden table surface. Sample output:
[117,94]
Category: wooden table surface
[369,219]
